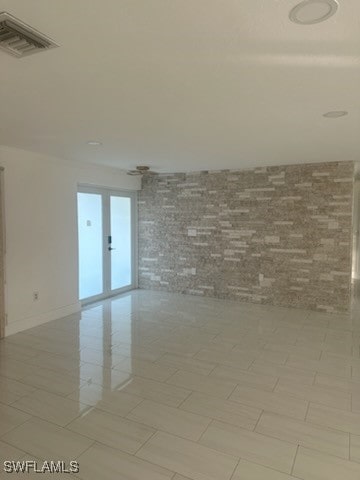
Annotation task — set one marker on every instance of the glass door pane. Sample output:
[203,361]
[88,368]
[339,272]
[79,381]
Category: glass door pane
[90,231]
[121,253]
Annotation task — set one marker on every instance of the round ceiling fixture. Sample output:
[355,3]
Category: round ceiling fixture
[94,143]
[310,12]
[336,114]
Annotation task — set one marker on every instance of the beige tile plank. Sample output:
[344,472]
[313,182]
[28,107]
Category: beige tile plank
[223,410]
[145,369]
[187,458]
[112,430]
[252,471]
[10,418]
[171,395]
[242,377]
[251,446]
[270,401]
[188,364]
[50,407]
[111,401]
[105,463]
[302,433]
[334,418]
[47,441]
[169,419]
[315,393]
[314,465]
[304,377]
[355,448]
[201,383]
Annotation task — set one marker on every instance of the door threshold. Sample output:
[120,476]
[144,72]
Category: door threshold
[93,301]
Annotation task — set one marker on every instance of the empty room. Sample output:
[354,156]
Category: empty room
[179,239]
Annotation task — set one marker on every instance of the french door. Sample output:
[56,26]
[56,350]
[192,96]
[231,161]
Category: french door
[106,235]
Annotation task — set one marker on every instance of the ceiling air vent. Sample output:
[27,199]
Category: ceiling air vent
[20,39]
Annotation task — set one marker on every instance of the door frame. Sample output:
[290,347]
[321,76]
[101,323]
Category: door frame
[2,255]
[106,192]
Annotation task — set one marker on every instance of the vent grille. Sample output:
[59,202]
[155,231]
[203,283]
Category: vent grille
[19,39]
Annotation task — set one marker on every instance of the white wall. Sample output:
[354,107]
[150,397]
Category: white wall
[41,233]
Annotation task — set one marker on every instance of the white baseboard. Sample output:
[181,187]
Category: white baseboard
[19,326]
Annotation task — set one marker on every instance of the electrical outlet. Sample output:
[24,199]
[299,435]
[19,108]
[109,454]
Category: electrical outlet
[35,296]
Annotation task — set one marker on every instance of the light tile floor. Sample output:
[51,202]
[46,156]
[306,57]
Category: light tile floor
[156,386]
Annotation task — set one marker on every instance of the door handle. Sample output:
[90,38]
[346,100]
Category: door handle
[111,248]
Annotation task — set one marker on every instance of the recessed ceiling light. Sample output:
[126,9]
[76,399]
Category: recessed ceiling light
[336,114]
[94,143]
[309,12]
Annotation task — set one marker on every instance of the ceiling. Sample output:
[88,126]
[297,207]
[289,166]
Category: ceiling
[184,85]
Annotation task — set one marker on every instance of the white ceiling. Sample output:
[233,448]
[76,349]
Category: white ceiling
[184,84]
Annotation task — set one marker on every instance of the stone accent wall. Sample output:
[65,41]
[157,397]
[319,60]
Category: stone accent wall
[274,235]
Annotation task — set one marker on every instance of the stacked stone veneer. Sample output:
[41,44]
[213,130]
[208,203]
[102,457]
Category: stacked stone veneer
[276,235]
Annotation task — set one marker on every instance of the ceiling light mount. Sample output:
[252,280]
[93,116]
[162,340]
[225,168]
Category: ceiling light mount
[336,114]
[141,170]
[310,12]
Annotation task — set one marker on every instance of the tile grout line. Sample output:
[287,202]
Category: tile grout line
[349,446]
[143,445]
[251,364]
[293,465]
[212,370]
[183,401]
[257,421]
[276,384]
[132,409]
[232,392]
[86,449]
[166,382]
[306,413]
[206,429]
[235,468]
[16,426]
